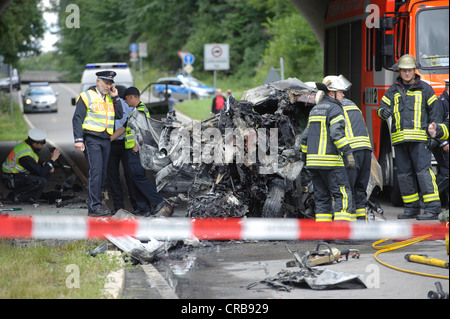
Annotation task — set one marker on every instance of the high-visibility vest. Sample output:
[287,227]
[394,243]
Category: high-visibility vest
[130,140]
[100,113]
[12,165]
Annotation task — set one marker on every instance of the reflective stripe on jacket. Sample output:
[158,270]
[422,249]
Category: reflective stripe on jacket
[12,165]
[355,128]
[100,113]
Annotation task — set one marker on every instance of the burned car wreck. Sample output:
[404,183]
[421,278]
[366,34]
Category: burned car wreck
[244,161]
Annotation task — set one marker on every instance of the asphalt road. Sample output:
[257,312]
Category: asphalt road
[234,270]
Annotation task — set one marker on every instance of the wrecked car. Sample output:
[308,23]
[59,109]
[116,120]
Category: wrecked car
[244,161]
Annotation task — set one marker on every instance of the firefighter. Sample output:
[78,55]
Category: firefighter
[324,147]
[146,193]
[439,147]
[93,124]
[358,137]
[412,105]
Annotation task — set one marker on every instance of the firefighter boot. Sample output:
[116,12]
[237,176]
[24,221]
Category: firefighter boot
[408,214]
[428,216]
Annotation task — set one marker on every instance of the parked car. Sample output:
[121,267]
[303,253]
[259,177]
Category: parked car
[40,97]
[180,87]
[5,81]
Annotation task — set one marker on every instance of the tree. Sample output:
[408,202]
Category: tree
[292,39]
[21,25]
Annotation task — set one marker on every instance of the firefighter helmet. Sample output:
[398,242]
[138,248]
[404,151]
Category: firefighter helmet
[336,83]
[407,61]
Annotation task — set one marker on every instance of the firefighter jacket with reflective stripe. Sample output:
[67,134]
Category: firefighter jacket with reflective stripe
[100,113]
[323,139]
[12,165]
[355,127]
[130,140]
[442,131]
[411,110]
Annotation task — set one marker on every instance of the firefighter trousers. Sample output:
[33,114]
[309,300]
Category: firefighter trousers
[413,164]
[332,184]
[358,178]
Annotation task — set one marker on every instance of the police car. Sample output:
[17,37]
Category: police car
[180,87]
[40,97]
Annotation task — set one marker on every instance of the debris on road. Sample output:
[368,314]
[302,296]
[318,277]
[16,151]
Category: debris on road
[143,253]
[317,279]
[310,276]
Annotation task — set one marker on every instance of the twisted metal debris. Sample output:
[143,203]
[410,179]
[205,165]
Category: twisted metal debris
[252,165]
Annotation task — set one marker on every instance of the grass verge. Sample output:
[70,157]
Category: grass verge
[12,128]
[199,109]
[49,270]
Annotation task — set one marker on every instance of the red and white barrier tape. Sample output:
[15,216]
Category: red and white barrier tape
[175,228]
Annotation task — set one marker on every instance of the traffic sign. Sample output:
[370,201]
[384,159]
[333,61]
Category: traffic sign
[216,56]
[143,50]
[188,68]
[188,58]
[134,56]
[133,47]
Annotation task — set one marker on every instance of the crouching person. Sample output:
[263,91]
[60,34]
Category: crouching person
[23,173]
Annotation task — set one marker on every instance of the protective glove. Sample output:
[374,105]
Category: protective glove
[386,113]
[303,157]
[350,161]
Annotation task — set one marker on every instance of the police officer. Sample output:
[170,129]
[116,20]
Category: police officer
[412,105]
[22,172]
[93,124]
[146,193]
[118,157]
[324,147]
[358,137]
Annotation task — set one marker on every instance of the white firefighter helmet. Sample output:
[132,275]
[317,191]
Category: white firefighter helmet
[407,61]
[336,83]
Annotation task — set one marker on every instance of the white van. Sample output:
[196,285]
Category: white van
[122,81]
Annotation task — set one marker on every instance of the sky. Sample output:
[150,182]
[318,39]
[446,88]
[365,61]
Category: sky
[49,39]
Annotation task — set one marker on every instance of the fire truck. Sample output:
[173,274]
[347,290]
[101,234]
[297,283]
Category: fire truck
[364,39]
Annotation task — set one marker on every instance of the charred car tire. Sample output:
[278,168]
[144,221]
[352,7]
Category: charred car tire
[274,202]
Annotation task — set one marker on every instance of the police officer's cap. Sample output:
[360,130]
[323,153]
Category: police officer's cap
[107,76]
[131,91]
[37,135]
